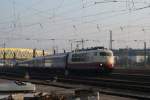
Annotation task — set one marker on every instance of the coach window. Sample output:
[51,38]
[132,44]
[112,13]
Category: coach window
[78,57]
[75,57]
[95,53]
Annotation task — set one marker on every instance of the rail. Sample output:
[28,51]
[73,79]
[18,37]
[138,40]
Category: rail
[131,85]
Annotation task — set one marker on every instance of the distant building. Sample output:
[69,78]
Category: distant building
[9,56]
[132,56]
[20,53]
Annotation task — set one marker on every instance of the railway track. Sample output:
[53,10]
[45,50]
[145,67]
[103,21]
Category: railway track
[109,83]
[137,84]
[75,84]
[116,80]
[102,84]
[140,71]
[132,77]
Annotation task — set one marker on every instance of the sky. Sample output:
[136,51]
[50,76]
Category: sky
[46,24]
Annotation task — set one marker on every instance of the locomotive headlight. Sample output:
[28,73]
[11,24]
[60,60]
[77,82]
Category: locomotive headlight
[101,64]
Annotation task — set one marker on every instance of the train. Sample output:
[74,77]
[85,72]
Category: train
[97,60]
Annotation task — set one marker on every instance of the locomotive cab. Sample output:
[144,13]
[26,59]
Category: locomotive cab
[99,60]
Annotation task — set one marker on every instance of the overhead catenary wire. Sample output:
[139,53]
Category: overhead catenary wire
[99,13]
[85,16]
[117,1]
[91,17]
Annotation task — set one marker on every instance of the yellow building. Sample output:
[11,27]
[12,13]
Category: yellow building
[20,53]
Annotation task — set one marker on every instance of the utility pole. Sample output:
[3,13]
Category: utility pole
[14,14]
[71,46]
[145,60]
[127,57]
[4,55]
[53,41]
[110,45]
[34,52]
[43,52]
[70,41]
[82,41]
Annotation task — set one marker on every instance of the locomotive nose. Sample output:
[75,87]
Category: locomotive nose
[110,62]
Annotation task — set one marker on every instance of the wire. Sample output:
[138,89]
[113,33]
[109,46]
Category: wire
[124,1]
[58,21]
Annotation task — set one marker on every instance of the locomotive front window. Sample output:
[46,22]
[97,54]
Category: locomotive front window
[105,54]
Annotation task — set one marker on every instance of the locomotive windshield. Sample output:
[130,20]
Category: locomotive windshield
[105,54]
